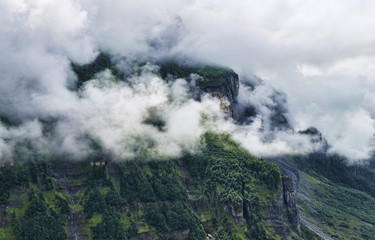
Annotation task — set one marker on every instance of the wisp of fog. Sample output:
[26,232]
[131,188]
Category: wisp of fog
[316,59]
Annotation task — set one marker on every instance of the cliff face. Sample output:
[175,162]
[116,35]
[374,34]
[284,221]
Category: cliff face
[220,82]
[282,214]
[222,192]
[194,197]
[290,207]
[227,93]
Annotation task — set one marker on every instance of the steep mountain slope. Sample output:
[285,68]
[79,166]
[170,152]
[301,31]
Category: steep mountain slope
[218,191]
[336,200]
[223,192]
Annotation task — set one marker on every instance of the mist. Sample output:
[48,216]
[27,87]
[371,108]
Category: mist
[318,55]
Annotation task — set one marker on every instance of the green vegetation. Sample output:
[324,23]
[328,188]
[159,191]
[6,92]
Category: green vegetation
[223,234]
[154,217]
[109,228]
[155,119]
[213,76]
[97,174]
[340,211]
[166,188]
[336,169]
[62,205]
[134,187]
[39,222]
[367,233]
[114,200]
[11,177]
[233,177]
[94,202]
[221,189]
[87,72]
[308,234]
[198,194]
[175,69]
[209,75]
[336,196]
[132,230]
[231,172]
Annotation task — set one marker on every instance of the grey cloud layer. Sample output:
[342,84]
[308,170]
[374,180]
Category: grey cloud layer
[319,53]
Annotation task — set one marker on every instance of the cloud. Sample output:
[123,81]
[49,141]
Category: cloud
[319,53]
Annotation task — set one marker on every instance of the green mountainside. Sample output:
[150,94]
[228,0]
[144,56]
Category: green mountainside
[334,198]
[222,191]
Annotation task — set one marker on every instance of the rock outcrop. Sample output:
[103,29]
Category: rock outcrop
[227,93]
[316,137]
[284,215]
[290,203]
[220,82]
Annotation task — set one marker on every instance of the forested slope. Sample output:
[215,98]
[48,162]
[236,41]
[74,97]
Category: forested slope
[222,192]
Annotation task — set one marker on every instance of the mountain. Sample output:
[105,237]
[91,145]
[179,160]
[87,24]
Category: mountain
[218,191]
[335,199]
[222,192]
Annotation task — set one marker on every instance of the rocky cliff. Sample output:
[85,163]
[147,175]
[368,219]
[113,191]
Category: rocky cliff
[282,215]
[219,192]
[220,82]
[190,198]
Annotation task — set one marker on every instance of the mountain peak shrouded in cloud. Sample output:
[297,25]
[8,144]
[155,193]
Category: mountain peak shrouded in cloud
[317,56]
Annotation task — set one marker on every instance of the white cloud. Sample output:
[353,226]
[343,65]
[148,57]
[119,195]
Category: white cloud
[330,44]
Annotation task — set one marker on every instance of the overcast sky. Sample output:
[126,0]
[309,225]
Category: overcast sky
[321,54]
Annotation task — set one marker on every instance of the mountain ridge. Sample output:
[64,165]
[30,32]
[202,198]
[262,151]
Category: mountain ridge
[220,191]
